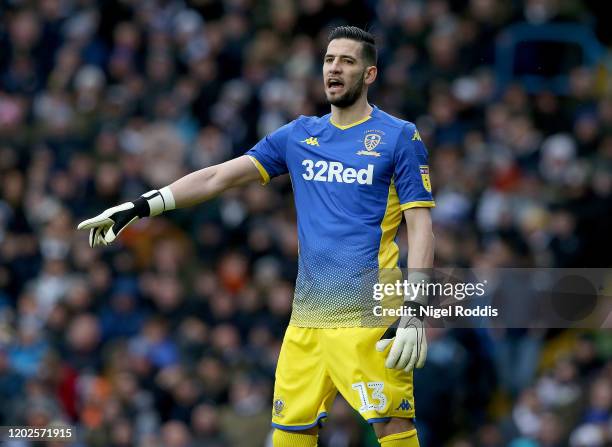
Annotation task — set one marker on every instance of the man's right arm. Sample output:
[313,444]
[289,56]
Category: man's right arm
[207,183]
[189,190]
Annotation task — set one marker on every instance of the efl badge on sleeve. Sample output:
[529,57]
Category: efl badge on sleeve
[425,177]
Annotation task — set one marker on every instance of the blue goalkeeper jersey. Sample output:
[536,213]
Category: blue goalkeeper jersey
[351,184]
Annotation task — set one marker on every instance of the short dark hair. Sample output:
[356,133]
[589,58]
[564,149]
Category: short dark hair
[368,44]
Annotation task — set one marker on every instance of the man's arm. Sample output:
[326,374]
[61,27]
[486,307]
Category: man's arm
[207,183]
[420,238]
[409,348]
[189,190]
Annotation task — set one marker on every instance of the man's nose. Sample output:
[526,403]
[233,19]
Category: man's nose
[335,67]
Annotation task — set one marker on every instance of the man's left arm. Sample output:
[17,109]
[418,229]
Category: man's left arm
[411,176]
[409,348]
[420,239]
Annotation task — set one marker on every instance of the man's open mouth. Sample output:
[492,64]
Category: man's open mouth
[334,84]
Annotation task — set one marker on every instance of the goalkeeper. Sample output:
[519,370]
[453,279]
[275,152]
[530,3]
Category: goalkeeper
[355,173]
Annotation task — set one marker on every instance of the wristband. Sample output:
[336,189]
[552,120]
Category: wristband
[159,200]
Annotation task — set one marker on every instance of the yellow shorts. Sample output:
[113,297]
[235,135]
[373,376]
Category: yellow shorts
[314,364]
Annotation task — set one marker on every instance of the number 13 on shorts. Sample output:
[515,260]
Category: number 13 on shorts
[378,400]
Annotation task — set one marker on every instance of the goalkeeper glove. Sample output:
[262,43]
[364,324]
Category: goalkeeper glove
[105,227]
[409,348]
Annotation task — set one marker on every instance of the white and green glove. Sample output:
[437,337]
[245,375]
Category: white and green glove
[105,227]
[409,348]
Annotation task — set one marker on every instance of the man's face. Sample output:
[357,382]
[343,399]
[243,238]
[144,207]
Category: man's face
[344,72]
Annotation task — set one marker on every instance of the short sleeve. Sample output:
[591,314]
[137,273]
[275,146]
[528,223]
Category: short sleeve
[411,171]
[268,154]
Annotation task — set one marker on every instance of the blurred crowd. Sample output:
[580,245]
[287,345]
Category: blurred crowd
[170,336]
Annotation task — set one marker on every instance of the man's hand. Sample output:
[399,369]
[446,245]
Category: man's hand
[409,347]
[105,227]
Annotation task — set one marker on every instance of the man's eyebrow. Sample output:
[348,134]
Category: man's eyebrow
[348,56]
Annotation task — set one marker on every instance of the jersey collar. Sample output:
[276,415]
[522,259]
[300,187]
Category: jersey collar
[356,123]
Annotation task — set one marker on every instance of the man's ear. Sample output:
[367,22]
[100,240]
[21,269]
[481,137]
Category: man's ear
[370,74]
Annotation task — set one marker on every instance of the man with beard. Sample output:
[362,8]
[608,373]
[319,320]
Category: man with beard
[354,173]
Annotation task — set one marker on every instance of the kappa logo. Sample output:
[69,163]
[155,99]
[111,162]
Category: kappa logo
[416,136]
[312,141]
[371,141]
[404,405]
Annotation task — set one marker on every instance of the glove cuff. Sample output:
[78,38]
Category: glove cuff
[159,200]
[420,315]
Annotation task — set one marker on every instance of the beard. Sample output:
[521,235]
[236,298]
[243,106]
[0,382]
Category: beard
[350,96]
